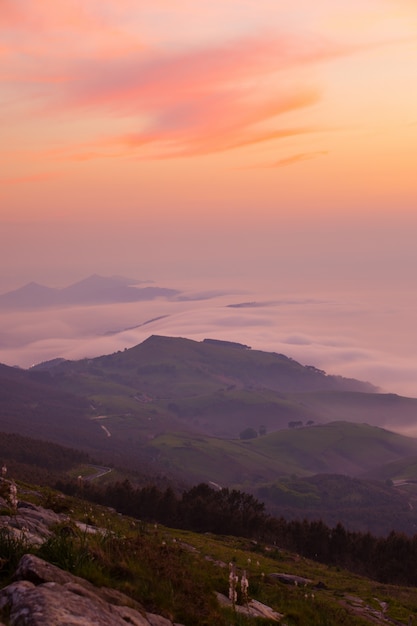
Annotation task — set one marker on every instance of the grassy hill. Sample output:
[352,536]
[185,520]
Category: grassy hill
[338,447]
[217,388]
[360,504]
[30,405]
[123,404]
[180,574]
[306,472]
[175,407]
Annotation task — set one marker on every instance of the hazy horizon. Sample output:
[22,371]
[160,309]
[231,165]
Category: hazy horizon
[354,335]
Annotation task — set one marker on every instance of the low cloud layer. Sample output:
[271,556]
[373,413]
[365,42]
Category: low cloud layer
[328,334]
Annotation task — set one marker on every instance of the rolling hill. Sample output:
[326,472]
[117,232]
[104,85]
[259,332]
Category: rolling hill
[183,407]
[176,408]
[334,448]
[219,388]
[164,385]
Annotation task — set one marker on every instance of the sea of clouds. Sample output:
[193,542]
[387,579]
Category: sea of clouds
[359,338]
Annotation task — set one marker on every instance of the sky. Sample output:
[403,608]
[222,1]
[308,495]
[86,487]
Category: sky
[265,150]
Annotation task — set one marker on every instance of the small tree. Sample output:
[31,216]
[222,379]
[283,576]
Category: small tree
[248,433]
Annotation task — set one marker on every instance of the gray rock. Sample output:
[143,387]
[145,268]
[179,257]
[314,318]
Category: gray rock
[51,604]
[253,609]
[290,579]
[38,571]
[31,523]
[157,620]
[130,616]
[45,595]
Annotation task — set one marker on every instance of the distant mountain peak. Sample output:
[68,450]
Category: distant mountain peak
[94,289]
[32,287]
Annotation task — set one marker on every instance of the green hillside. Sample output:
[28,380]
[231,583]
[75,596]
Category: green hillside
[184,575]
[31,405]
[338,447]
[216,388]
[176,408]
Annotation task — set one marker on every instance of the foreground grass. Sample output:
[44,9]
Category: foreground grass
[176,573]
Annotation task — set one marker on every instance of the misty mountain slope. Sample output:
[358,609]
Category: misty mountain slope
[178,408]
[220,388]
[388,410]
[233,363]
[125,404]
[30,405]
[177,367]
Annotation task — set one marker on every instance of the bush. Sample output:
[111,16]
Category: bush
[248,433]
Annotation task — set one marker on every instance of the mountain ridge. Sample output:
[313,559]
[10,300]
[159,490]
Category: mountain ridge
[94,289]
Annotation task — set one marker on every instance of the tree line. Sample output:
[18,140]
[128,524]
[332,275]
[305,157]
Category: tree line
[230,512]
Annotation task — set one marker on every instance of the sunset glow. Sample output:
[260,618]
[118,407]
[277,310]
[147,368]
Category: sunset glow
[267,144]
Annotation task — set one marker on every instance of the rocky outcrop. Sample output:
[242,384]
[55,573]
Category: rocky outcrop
[45,595]
[254,608]
[30,522]
[42,594]
[290,579]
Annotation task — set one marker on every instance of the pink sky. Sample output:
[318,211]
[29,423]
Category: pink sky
[267,145]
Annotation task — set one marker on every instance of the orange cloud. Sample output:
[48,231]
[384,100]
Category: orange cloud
[218,125]
[128,84]
[232,125]
[194,102]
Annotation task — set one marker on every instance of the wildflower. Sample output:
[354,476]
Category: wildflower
[244,585]
[13,495]
[233,580]
[3,470]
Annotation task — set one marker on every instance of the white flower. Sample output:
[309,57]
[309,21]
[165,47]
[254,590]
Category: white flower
[13,495]
[244,584]
[233,581]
